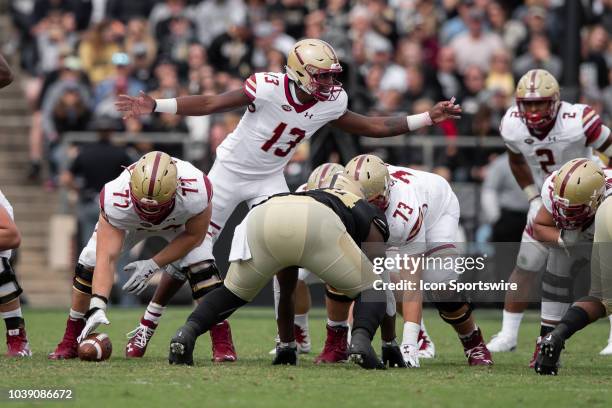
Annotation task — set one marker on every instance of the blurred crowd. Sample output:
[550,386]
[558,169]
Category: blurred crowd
[399,56]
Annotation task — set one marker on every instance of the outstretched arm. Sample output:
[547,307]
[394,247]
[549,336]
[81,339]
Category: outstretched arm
[385,126]
[193,105]
[6,76]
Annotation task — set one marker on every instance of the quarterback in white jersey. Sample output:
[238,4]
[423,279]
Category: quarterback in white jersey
[10,307]
[158,196]
[423,216]
[571,197]
[541,133]
[283,110]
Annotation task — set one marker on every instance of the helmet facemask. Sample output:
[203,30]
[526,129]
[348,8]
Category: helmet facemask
[150,210]
[569,216]
[542,119]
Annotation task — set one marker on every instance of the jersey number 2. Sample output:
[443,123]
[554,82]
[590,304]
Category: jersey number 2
[277,133]
[547,159]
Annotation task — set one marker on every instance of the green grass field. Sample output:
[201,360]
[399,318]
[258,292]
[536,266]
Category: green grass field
[585,379]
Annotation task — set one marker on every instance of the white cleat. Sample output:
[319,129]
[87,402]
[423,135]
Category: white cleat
[411,355]
[608,350]
[500,344]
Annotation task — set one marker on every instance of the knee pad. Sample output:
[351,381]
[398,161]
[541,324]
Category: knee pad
[203,277]
[83,277]
[9,287]
[333,294]
[454,312]
[557,288]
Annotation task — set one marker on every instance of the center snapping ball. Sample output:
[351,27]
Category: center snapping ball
[96,347]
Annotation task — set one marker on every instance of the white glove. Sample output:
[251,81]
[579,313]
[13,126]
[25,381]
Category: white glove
[142,272]
[534,207]
[410,353]
[96,315]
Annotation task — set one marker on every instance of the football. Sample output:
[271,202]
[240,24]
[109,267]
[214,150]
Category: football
[96,347]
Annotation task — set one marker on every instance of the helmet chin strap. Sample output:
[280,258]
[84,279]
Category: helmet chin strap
[293,92]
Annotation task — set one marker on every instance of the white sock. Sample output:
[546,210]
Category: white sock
[411,333]
[154,312]
[276,290]
[510,324]
[74,315]
[12,313]
[302,321]
[423,327]
[610,339]
[332,323]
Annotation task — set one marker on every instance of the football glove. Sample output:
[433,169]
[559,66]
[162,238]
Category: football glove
[142,272]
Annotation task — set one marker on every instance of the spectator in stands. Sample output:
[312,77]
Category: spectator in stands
[232,51]
[96,50]
[196,60]
[594,67]
[95,165]
[458,24]
[126,11]
[511,32]
[215,17]
[139,44]
[119,81]
[293,13]
[58,37]
[447,75]
[474,93]
[476,46]
[537,24]
[538,56]
[500,75]
[175,44]
[169,87]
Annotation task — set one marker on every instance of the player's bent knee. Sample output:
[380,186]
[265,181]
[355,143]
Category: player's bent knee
[454,313]
[203,277]
[83,276]
[9,287]
[337,296]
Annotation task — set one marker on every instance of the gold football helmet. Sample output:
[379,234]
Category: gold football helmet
[579,189]
[341,181]
[153,184]
[372,173]
[312,64]
[320,173]
[538,99]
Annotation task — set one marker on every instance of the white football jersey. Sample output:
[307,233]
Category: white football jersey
[9,209]
[193,196]
[405,213]
[576,132]
[548,192]
[273,125]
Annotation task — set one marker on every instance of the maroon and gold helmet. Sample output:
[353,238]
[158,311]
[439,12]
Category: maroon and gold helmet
[538,85]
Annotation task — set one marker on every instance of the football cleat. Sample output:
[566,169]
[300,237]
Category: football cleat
[336,347]
[427,348]
[500,343]
[536,351]
[410,354]
[547,360]
[285,355]
[138,341]
[392,355]
[181,346]
[67,348]
[361,351]
[476,350]
[222,343]
[607,351]
[17,343]
[302,339]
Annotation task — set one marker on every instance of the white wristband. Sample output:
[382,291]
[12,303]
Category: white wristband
[531,191]
[166,105]
[418,121]
[97,302]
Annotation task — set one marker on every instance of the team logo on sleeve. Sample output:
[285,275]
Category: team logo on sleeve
[287,108]
[528,141]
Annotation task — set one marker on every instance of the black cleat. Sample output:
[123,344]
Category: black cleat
[181,346]
[547,361]
[285,355]
[362,352]
[392,356]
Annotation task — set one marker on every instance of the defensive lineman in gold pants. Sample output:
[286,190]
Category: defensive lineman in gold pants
[591,308]
[320,230]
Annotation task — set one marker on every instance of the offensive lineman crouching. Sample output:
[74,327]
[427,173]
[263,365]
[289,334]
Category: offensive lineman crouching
[156,196]
[319,230]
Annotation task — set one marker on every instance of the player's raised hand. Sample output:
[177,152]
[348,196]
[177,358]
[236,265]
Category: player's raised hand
[134,106]
[445,110]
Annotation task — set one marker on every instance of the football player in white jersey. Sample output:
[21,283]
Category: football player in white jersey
[423,216]
[572,197]
[156,196]
[541,133]
[10,307]
[283,110]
